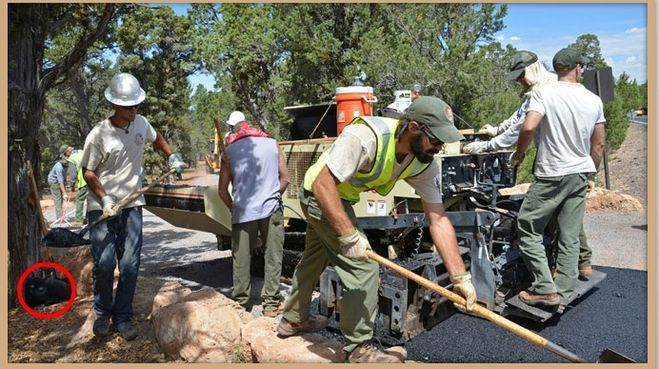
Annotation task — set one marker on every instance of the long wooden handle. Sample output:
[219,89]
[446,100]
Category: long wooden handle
[127,200]
[37,202]
[479,310]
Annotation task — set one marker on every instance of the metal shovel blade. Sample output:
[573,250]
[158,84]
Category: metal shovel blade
[62,237]
[610,356]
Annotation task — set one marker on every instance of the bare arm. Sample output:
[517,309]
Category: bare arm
[161,144]
[444,238]
[223,184]
[93,183]
[597,141]
[284,179]
[324,189]
[526,133]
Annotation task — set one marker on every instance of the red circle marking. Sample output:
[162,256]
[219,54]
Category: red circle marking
[34,313]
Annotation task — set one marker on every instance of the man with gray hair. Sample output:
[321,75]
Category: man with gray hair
[569,121]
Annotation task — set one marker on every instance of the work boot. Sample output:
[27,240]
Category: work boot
[102,327]
[537,299]
[127,331]
[585,271]
[367,352]
[314,323]
[273,312]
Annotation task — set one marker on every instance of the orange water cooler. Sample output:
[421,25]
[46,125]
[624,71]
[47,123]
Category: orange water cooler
[351,102]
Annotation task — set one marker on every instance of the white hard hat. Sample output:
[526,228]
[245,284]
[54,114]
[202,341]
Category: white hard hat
[125,90]
[235,118]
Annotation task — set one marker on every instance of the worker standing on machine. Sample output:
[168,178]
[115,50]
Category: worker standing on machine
[570,121]
[372,153]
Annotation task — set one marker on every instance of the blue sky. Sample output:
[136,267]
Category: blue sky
[546,28]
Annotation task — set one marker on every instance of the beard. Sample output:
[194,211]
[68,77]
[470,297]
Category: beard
[417,149]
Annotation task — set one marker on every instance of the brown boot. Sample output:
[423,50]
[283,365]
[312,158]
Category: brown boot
[585,271]
[273,312]
[366,352]
[533,299]
[315,323]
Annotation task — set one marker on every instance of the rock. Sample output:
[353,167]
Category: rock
[169,293]
[260,340]
[601,199]
[203,327]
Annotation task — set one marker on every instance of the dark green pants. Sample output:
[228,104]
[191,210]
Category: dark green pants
[244,239]
[359,279]
[562,198]
[81,197]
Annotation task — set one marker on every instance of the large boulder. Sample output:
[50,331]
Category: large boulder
[204,326]
[169,293]
[261,344]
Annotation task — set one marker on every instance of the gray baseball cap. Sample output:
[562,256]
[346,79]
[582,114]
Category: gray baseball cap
[521,60]
[437,115]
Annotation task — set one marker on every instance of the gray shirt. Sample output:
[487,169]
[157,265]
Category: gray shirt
[255,185]
[57,173]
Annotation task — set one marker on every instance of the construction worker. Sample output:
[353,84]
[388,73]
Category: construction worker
[81,187]
[569,121]
[57,180]
[257,172]
[112,167]
[372,153]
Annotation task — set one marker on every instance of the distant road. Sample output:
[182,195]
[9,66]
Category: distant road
[643,119]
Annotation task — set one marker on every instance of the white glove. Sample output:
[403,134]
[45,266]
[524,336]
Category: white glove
[65,197]
[489,129]
[176,161]
[108,206]
[354,245]
[462,285]
[475,147]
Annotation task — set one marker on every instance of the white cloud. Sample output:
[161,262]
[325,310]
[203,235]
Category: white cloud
[630,60]
[636,30]
[500,38]
[514,38]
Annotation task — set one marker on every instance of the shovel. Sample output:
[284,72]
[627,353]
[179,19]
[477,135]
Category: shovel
[62,237]
[607,356]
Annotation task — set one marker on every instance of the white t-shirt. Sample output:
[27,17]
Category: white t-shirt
[116,157]
[570,113]
[356,148]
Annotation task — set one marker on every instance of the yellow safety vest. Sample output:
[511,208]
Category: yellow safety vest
[75,160]
[380,177]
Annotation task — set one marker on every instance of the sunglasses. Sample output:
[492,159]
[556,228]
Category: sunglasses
[431,137]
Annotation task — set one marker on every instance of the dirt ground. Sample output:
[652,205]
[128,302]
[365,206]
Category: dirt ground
[32,340]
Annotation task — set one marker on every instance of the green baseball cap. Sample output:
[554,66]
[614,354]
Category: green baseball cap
[437,115]
[521,60]
[569,57]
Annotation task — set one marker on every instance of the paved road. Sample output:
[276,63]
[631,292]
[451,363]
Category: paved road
[613,315]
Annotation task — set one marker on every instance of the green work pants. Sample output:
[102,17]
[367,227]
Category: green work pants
[244,239]
[359,279]
[56,192]
[585,252]
[562,198]
[81,196]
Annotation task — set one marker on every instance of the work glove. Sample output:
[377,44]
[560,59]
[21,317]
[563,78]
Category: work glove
[489,129]
[354,245]
[176,161]
[462,286]
[516,158]
[475,147]
[65,197]
[109,202]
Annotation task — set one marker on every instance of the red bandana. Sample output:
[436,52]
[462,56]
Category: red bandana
[245,130]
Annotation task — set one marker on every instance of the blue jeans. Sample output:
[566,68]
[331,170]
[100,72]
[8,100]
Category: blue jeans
[119,238]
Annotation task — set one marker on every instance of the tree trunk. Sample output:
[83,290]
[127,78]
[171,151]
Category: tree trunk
[26,45]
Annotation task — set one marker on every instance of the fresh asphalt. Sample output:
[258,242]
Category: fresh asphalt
[613,315]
